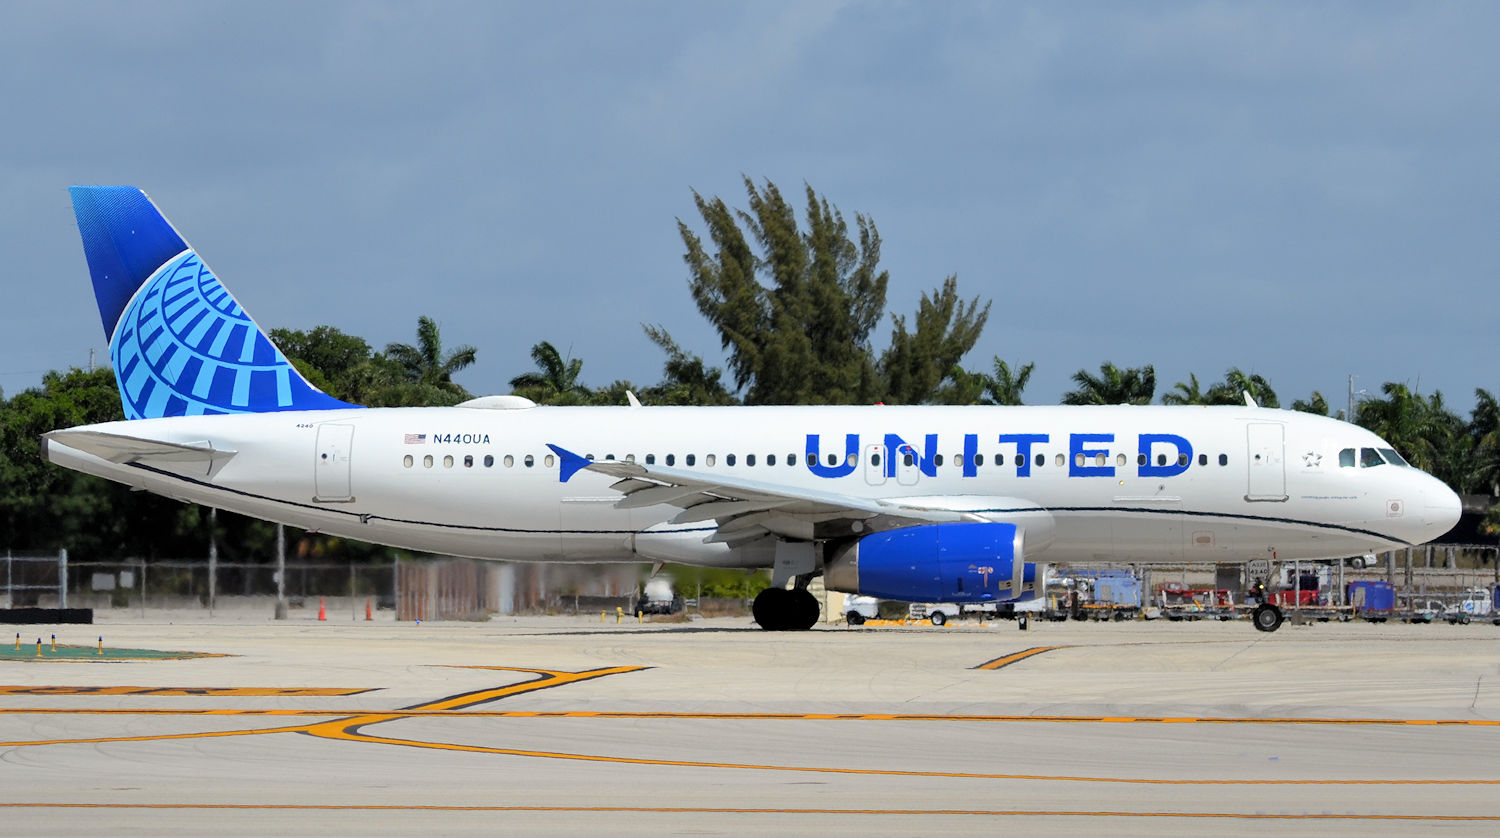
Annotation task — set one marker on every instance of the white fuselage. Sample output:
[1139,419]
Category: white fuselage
[1258,483]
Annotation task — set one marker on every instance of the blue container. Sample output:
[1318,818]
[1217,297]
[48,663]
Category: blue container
[1372,596]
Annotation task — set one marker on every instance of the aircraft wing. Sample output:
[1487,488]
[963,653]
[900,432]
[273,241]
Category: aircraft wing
[746,510]
[120,448]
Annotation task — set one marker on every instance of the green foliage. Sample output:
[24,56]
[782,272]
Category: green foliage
[916,363]
[1135,385]
[1236,384]
[687,380]
[556,379]
[1188,392]
[427,371]
[802,338]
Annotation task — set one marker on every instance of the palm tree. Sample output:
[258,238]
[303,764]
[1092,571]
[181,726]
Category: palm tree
[1005,386]
[1484,430]
[556,378]
[1185,393]
[1421,429]
[1314,404]
[425,364]
[1236,384]
[1136,385]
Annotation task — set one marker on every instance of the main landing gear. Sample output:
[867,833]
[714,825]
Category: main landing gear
[779,609]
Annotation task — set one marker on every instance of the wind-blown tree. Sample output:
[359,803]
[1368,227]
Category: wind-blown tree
[916,363]
[426,366]
[1135,385]
[1236,384]
[1188,392]
[794,304]
[687,381]
[555,380]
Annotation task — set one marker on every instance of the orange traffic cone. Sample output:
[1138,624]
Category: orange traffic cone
[322,612]
[368,615]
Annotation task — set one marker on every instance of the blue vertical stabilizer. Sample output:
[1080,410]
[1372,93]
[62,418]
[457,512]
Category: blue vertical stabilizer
[180,343]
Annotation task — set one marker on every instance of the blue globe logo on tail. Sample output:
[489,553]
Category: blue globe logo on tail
[180,343]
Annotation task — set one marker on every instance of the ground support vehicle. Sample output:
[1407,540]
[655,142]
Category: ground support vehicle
[939,613]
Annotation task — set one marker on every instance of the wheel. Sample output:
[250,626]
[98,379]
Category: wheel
[854,618]
[1463,620]
[1266,617]
[938,618]
[772,608]
[803,611]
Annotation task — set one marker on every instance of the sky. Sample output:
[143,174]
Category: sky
[1303,190]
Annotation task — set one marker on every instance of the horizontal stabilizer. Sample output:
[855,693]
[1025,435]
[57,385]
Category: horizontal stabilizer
[119,448]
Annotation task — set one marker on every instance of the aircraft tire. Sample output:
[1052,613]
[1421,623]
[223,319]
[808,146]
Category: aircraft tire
[803,612]
[1266,617]
[771,608]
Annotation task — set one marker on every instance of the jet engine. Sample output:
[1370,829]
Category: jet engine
[960,562]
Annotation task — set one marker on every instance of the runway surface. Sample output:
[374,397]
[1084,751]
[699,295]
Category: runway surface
[561,725]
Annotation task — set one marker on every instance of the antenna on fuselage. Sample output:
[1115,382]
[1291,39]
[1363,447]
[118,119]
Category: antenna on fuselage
[1250,400]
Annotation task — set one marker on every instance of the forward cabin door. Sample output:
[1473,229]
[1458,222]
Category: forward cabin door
[1266,462]
[331,469]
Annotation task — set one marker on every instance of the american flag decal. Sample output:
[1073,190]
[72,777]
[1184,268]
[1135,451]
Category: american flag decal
[416,439]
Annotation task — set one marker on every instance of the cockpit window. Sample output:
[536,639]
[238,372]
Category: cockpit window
[1393,458]
[1369,458]
[1346,458]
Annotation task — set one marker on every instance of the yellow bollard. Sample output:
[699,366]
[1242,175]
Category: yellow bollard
[101,644]
[38,647]
[638,618]
[18,641]
[601,616]
[54,643]
[619,614]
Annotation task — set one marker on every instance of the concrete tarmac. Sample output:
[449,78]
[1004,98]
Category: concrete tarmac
[561,725]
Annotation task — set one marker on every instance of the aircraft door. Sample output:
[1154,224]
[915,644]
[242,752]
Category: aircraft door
[875,465]
[908,465]
[1265,462]
[331,469]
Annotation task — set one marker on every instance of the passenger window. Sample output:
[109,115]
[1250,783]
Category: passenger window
[937,460]
[1120,460]
[874,459]
[1041,460]
[1161,459]
[728,459]
[427,461]
[1369,458]
[548,462]
[509,461]
[833,459]
[489,460]
[1182,459]
[1078,459]
[978,459]
[408,461]
[1060,459]
[770,459]
[749,460]
[1202,459]
[448,461]
[468,461]
[906,460]
[1020,460]
[709,460]
[1100,459]
[851,460]
[791,459]
[1346,458]
[1140,459]
[529,461]
[1223,459]
[671,459]
[690,459]
[630,458]
[650,459]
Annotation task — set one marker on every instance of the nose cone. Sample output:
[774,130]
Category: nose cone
[1441,508]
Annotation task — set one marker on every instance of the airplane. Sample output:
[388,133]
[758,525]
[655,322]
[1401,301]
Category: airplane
[913,503]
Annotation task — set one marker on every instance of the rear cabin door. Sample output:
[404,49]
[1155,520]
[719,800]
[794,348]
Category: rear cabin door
[1266,462]
[331,470]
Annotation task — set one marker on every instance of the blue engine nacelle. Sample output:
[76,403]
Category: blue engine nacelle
[967,562]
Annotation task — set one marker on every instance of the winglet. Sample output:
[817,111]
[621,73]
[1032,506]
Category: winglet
[568,463]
